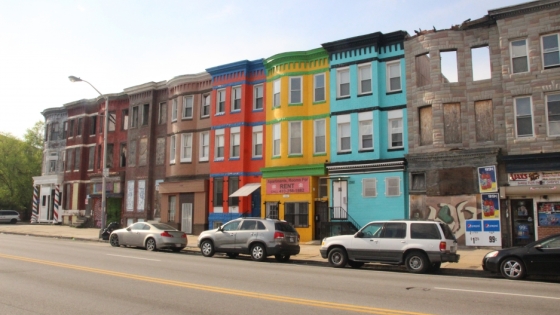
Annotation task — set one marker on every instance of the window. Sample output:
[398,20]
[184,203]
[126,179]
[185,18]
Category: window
[484,120]
[235,98]
[343,129]
[366,130]
[80,127]
[295,90]
[323,188]
[422,69]
[186,147]
[122,155]
[99,157]
[553,114]
[449,66]
[134,123]
[519,60]
[233,186]
[296,213]
[258,96]
[295,145]
[65,129]
[77,158]
[276,93]
[125,119]
[205,112]
[426,231]
[91,158]
[221,101]
[219,141]
[551,53]
[172,205]
[69,159]
[276,134]
[481,68]
[145,114]
[394,230]
[162,113]
[452,123]
[172,150]
[204,146]
[426,125]
[369,187]
[364,79]
[112,121]
[218,198]
[394,76]
[418,181]
[523,117]
[392,186]
[71,129]
[319,87]
[92,125]
[235,142]
[110,155]
[395,129]
[52,166]
[257,141]
[319,140]
[343,79]
[187,107]
[174,110]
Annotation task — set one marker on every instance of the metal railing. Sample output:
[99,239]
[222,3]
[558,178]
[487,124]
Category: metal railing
[340,214]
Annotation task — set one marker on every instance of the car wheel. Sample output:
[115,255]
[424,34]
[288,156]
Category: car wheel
[417,262]
[355,264]
[114,240]
[338,257]
[232,255]
[435,267]
[14,221]
[207,248]
[151,244]
[512,268]
[177,249]
[258,252]
[282,257]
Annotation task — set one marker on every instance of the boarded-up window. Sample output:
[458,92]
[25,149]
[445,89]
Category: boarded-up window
[143,154]
[132,154]
[452,122]
[160,151]
[484,121]
[426,125]
[422,66]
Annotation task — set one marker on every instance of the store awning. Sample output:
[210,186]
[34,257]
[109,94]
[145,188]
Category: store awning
[246,190]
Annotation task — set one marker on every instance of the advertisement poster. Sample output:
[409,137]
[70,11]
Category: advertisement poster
[487,180]
[549,213]
[483,233]
[490,206]
[289,185]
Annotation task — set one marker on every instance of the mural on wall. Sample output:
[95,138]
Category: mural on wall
[452,210]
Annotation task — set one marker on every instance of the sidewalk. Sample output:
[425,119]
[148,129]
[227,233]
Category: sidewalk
[471,259]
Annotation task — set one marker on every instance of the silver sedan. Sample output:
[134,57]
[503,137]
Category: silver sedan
[152,236]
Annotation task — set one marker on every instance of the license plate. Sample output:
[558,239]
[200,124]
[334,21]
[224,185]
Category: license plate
[178,245]
[291,239]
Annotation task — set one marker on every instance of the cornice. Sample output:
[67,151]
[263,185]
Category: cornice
[523,8]
[295,56]
[244,65]
[145,87]
[374,39]
[187,78]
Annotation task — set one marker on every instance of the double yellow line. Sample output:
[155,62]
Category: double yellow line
[248,294]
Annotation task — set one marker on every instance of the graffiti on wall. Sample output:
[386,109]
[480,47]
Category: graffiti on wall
[452,210]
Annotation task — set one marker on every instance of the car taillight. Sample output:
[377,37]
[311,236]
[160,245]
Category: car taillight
[166,234]
[184,235]
[298,237]
[442,246]
[278,235]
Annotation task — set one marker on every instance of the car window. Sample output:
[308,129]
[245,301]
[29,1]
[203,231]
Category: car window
[231,226]
[161,226]
[425,231]
[551,243]
[137,226]
[372,230]
[248,225]
[146,227]
[394,230]
[447,231]
[260,226]
[284,227]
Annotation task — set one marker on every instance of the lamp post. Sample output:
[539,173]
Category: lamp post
[105,172]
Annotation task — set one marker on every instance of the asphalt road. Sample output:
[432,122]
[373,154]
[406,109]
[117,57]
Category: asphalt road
[55,276]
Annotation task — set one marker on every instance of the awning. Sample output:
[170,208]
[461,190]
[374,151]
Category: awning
[246,190]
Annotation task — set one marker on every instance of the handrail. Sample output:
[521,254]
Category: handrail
[340,214]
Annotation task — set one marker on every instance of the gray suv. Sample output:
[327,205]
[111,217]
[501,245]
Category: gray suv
[254,236]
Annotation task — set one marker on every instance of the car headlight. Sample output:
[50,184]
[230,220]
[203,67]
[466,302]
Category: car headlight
[491,254]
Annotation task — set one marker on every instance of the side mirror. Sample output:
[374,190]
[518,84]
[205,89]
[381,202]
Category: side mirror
[221,228]
[359,234]
[128,229]
[539,247]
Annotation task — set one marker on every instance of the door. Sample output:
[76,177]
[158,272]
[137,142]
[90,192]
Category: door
[186,217]
[366,247]
[340,204]
[224,239]
[256,203]
[522,221]
[392,241]
[321,216]
[44,203]
[271,210]
[246,233]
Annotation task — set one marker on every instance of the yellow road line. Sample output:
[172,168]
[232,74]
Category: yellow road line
[249,294]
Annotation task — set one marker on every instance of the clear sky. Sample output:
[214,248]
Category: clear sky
[116,44]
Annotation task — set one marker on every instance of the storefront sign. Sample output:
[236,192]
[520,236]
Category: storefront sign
[288,185]
[490,206]
[483,233]
[487,179]
[549,213]
[534,178]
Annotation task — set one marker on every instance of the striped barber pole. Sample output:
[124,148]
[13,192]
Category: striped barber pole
[56,204]
[34,212]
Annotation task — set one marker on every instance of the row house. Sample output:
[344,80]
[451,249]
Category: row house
[237,134]
[297,148]
[367,178]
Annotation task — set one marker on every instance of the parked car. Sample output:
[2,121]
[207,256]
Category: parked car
[152,236]
[541,257]
[420,245]
[9,216]
[254,236]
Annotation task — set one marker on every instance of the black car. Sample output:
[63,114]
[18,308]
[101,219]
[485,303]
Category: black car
[541,257]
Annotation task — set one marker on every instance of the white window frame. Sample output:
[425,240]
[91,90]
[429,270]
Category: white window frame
[186,147]
[174,110]
[204,146]
[276,89]
[257,140]
[187,105]
[391,185]
[555,115]
[319,135]
[365,128]
[339,76]
[293,100]
[235,140]
[369,184]
[367,67]
[517,116]
[395,116]
[318,88]
[293,135]
[526,55]
[205,106]
[172,149]
[236,96]
[258,94]
[389,65]
[342,122]
[550,50]
[219,142]
[220,101]
[276,139]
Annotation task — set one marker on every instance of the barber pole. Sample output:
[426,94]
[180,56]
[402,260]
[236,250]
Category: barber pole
[34,212]
[56,204]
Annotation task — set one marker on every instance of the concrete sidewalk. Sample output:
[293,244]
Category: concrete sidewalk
[471,258]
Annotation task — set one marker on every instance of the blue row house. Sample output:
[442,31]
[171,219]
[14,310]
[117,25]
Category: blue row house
[367,175]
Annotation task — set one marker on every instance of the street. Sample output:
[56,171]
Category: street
[57,276]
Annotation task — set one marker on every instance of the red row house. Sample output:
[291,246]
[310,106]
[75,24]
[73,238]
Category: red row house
[237,135]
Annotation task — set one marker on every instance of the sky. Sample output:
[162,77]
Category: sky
[117,44]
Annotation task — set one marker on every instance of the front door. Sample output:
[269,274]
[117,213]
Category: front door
[340,204]
[522,221]
[186,217]
[44,203]
[321,216]
[256,203]
[271,210]
[245,234]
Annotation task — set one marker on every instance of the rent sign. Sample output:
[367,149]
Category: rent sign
[289,185]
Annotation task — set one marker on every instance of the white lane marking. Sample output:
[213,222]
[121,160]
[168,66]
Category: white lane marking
[133,257]
[501,293]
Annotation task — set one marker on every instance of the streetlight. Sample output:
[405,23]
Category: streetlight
[105,172]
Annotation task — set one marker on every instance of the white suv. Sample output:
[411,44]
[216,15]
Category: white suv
[420,245]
